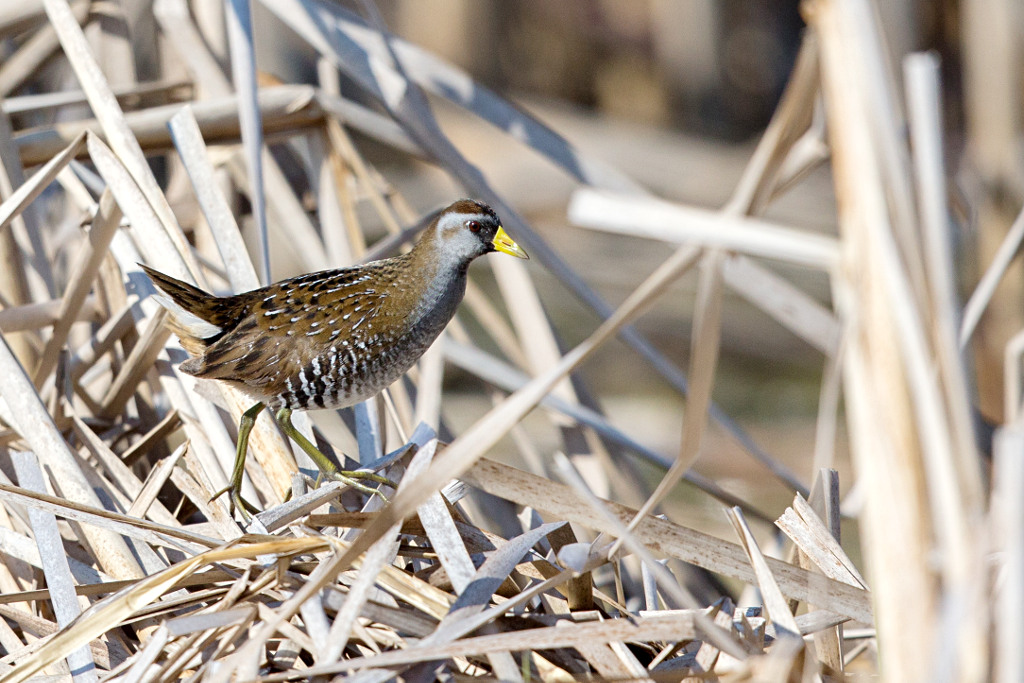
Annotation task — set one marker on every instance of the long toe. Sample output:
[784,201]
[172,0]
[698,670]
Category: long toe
[369,476]
[244,507]
[237,502]
[346,478]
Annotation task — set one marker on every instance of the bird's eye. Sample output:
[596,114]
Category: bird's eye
[474,226]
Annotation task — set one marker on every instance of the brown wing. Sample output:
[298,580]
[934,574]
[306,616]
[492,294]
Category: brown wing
[324,306]
[287,324]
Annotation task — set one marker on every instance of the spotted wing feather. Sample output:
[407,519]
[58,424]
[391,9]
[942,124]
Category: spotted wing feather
[285,326]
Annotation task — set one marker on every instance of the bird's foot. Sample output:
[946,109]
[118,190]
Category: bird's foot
[351,477]
[237,502]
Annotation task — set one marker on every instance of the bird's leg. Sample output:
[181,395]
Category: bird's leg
[328,468]
[238,470]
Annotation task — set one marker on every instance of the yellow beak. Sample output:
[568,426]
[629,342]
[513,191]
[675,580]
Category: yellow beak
[503,243]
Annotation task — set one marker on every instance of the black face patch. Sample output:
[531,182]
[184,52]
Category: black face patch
[488,211]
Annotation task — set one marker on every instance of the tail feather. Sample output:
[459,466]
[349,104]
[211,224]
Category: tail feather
[197,317]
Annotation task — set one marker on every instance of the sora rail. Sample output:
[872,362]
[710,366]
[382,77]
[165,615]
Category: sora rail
[334,338]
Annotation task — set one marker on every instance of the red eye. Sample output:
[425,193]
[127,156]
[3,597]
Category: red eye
[474,226]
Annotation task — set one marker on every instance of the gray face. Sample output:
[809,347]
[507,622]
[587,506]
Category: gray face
[466,230]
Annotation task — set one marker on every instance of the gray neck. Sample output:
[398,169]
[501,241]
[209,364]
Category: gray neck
[440,288]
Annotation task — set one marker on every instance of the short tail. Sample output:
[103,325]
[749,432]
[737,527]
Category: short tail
[197,317]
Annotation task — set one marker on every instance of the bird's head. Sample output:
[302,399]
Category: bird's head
[468,229]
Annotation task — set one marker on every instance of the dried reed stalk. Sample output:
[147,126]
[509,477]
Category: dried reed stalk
[130,572]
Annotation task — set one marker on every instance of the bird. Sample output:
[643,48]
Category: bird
[333,338]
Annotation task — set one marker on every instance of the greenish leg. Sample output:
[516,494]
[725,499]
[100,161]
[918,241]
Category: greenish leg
[238,470]
[284,418]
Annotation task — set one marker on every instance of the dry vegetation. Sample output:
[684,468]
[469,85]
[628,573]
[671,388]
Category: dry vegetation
[115,564]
